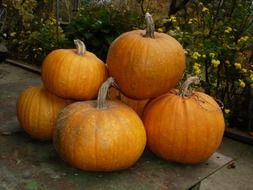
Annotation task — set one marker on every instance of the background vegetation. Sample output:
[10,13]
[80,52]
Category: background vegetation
[217,36]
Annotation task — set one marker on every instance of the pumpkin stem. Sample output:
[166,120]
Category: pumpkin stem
[185,91]
[80,47]
[102,93]
[150,29]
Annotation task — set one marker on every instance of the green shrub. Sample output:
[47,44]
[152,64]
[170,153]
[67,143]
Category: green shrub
[30,32]
[217,36]
[99,24]
[36,44]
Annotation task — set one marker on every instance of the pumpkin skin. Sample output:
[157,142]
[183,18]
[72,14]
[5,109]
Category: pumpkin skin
[145,67]
[137,105]
[70,75]
[95,139]
[184,129]
[37,110]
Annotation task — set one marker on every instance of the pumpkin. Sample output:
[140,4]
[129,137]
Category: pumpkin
[137,105]
[73,73]
[99,135]
[145,64]
[185,127]
[37,110]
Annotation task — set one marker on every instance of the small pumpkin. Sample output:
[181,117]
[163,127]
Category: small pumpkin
[145,63]
[185,127]
[100,135]
[37,110]
[73,73]
[137,105]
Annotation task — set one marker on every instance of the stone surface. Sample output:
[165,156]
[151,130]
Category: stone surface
[237,176]
[28,164]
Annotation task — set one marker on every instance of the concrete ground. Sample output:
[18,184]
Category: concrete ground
[238,176]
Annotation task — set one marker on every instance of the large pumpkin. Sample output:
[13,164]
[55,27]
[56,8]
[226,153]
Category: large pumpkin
[37,110]
[184,127]
[73,73]
[145,64]
[137,105]
[99,135]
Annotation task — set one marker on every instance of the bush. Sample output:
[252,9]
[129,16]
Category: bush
[31,30]
[218,39]
[99,24]
[31,36]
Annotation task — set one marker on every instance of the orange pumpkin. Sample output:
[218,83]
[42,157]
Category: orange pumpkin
[145,64]
[75,74]
[99,135]
[185,127]
[37,110]
[136,105]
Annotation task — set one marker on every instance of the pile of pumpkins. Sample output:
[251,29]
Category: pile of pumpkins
[100,116]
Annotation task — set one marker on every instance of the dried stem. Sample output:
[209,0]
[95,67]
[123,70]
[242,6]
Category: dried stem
[80,47]
[102,93]
[185,91]
[150,29]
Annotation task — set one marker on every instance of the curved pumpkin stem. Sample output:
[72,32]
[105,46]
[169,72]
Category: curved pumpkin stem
[185,91]
[102,93]
[80,47]
[150,29]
